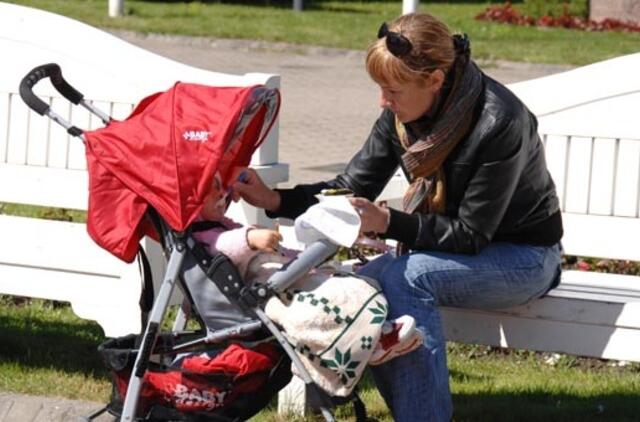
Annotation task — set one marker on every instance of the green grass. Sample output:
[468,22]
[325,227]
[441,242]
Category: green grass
[47,213]
[46,350]
[346,24]
[486,384]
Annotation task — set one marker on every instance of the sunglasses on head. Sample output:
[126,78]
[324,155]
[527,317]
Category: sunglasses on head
[397,44]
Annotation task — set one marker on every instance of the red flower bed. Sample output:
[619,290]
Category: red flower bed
[601,265]
[506,13]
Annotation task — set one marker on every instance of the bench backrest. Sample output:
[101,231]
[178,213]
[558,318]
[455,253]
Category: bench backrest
[588,122]
[598,184]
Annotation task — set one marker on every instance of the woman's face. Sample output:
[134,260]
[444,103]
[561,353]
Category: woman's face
[410,100]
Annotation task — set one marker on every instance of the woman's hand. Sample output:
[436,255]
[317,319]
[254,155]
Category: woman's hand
[374,218]
[252,189]
[264,240]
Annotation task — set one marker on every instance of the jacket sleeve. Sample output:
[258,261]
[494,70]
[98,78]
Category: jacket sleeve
[231,241]
[366,174]
[500,162]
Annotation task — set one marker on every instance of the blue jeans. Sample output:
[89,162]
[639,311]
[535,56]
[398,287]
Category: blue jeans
[415,386]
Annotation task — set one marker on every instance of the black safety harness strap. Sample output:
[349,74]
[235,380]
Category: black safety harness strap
[221,271]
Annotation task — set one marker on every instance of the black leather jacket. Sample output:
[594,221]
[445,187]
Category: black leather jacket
[497,184]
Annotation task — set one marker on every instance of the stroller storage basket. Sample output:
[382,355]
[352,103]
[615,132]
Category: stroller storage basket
[224,384]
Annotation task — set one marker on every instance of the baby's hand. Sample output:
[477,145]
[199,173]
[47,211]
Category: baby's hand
[264,240]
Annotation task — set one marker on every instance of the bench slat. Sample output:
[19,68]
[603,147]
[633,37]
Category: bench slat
[599,286]
[44,186]
[576,310]
[601,236]
[58,245]
[69,188]
[111,301]
[496,329]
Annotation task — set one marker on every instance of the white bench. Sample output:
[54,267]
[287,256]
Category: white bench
[588,123]
[41,165]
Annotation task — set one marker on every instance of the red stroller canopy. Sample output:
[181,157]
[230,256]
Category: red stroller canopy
[165,155]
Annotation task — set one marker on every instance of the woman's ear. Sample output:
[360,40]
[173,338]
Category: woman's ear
[436,80]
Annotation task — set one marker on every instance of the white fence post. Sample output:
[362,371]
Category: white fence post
[116,8]
[409,6]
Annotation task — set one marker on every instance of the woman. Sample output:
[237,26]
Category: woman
[481,223]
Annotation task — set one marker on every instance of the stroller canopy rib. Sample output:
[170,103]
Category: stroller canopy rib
[165,155]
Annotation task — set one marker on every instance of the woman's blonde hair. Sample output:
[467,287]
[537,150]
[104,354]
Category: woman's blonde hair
[432,49]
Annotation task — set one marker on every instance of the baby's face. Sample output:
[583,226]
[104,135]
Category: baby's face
[215,203]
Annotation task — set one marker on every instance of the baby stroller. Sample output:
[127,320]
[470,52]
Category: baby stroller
[148,175]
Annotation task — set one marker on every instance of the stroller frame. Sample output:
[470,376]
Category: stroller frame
[219,269]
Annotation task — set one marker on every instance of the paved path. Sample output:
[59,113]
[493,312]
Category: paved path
[329,105]
[23,408]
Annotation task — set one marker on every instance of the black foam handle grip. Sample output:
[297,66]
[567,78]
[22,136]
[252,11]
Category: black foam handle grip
[52,71]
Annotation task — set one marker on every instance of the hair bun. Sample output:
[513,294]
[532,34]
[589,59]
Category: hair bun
[461,44]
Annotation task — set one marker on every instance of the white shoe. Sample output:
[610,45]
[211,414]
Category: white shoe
[399,337]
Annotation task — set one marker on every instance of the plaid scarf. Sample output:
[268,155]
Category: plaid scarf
[423,158]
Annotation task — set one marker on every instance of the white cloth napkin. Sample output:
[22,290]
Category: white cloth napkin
[334,218]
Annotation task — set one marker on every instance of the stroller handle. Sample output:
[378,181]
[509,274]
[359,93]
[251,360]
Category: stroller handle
[52,71]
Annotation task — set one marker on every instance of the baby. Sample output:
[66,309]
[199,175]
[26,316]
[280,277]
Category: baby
[322,307]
